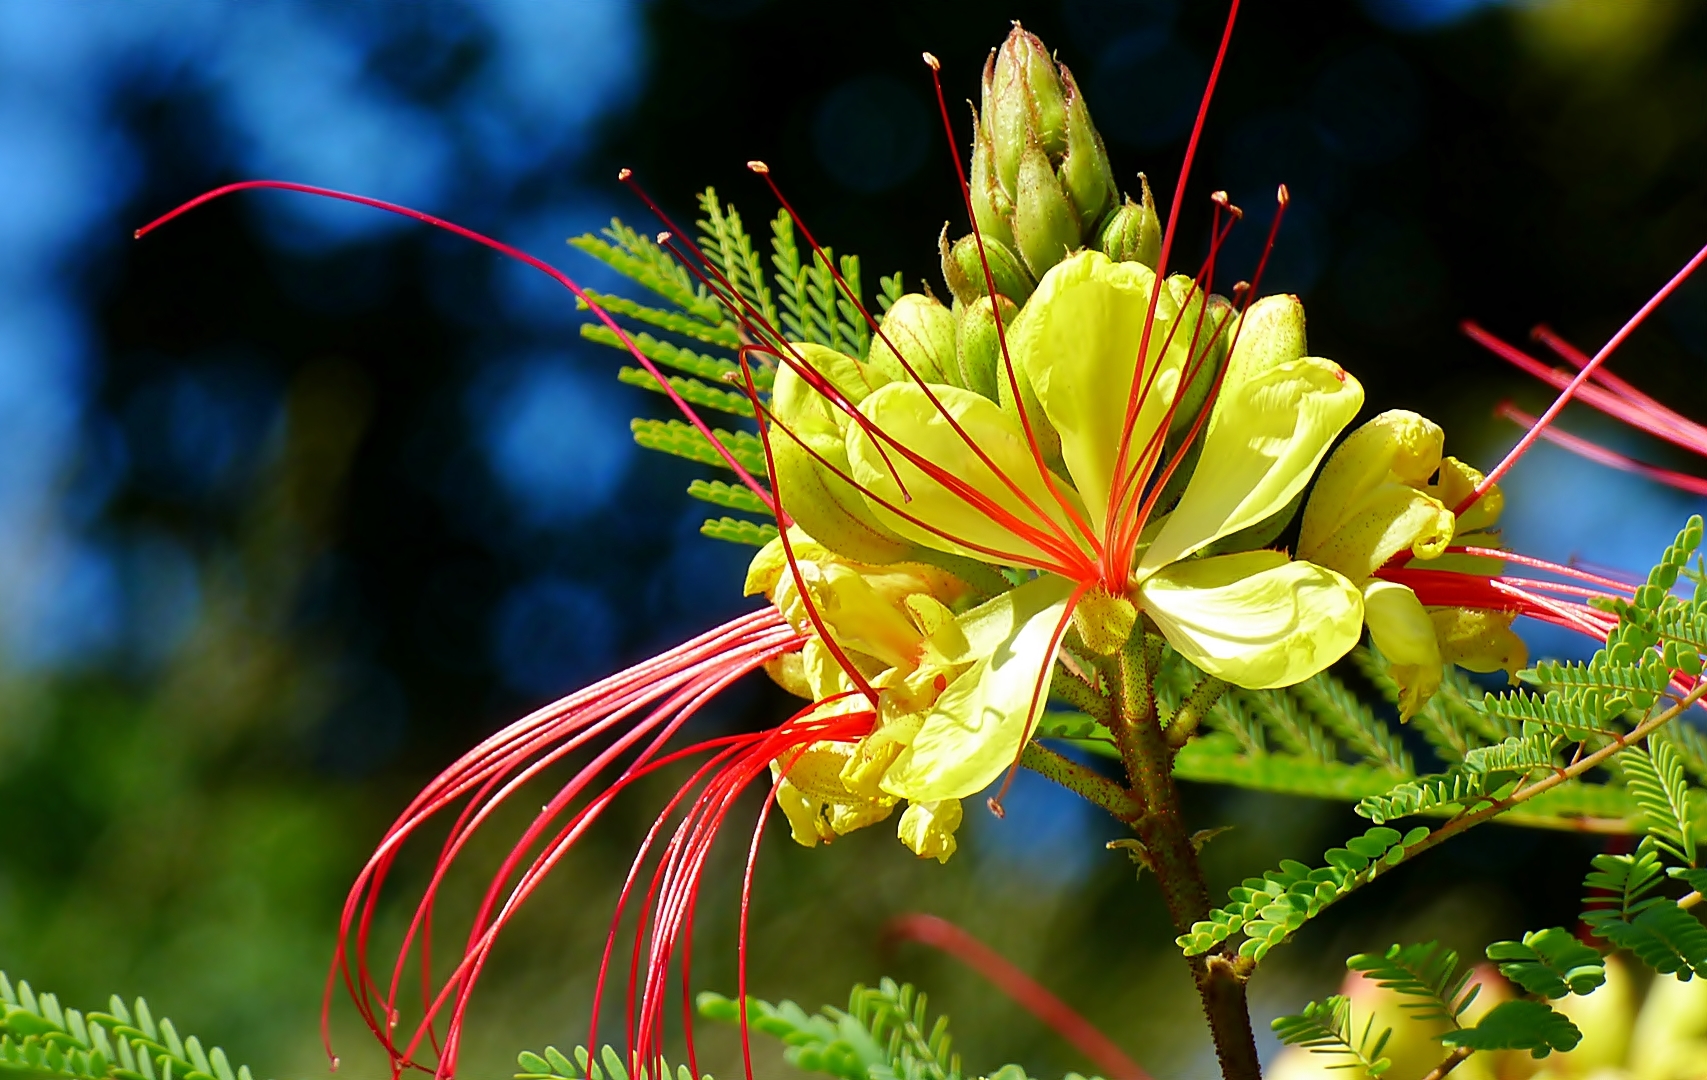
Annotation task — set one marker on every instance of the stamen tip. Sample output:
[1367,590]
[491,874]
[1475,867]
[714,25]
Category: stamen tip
[336,1061]
[663,238]
[759,167]
[137,235]
[1283,197]
[1219,198]
[932,62]
[624,173]
[996,807]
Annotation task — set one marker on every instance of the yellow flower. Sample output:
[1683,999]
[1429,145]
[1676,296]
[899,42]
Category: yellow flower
[1384,498]
[950,470]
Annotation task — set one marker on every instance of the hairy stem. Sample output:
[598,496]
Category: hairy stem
[1449,1064]
[1193,709]
[1171,854]
[1086,783]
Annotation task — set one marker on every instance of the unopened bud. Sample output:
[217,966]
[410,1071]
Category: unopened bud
[978,345]
[963,269]
[992,206]
[1133,233]
[1205,328]
[1085,170]
[1271,332]
[1046,227]
[921,330]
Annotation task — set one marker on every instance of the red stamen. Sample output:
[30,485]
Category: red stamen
[1025,991]
[1610,458]
[1032,710]
[1582,377]
[504,249]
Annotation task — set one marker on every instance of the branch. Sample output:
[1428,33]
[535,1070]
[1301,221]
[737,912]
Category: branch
[1088,784]
[1449,1064]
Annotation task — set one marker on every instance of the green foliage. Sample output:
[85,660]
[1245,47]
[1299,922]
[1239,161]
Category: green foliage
[1484,772]
[1425,972]
[1267,910]
[885,1033]
[554,1065]
[692,391]
[684,440]
[1655,777]
[1550,963]
[1622,909]
[1519,1024]
[40,1039]
[733,496]
[738,531]
[1347,716]
[1327,1027]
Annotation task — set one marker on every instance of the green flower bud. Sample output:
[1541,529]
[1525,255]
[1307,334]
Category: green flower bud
[1133,233]
[922,331]
[1270,332]
[992,206]
[1046,227]
[979,347]
[1085,171]
[1104,622]
[1209,349]
[963,269]
[1041,179]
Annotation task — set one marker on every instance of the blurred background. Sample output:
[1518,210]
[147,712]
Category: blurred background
[298,500]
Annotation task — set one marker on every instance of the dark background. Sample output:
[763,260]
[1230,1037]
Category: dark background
[299,501]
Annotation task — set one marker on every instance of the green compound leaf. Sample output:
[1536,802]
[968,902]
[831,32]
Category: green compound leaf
[1425,972]
[555,1065]
[739,531]
[1655,777]
[684,440]
[1267,910]
[1327,1027]
[1518,1025]
[693,391]
[732,496]
[1550,963]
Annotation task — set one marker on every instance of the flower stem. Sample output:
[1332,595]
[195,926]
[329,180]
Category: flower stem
[1172,856]
[1088,784]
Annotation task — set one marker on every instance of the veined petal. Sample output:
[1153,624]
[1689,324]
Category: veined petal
[1368,504]
[1266,436]
[976,728]
[906,414]
[1077,339]
[1387,519]
[1255,619]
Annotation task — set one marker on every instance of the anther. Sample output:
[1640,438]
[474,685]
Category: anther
[932,62]
[994,805]
[759,167]
[1219,198]
[664,238]
[624,173]
[1283,197]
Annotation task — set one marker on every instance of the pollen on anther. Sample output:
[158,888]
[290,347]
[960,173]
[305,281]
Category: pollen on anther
[1283,197]
[624,174]
[664,237]
[759,167]
[933,62]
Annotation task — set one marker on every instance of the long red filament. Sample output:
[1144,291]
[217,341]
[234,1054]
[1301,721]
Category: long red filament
[1582,377]
[504,249]
[1611,458]
[1025,991]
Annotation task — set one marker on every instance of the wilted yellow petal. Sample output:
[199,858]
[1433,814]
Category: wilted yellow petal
[906,414]
[1368,504]
[927,828]
[976,728]
[1266,435]
[1077,340]
[1255,619]
[1478,640]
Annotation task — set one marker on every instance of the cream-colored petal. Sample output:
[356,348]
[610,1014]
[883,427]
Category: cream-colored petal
[1077,339]
[1400,627]
[905,413]
[1397,447]
[1385,520]
[1266,435]
[978,724]
[1255,619]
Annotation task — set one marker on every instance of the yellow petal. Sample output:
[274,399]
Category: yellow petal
[1397,449]
[927,828]
[906,414]
[1479,640]
[1400,627]
[1386,520]
[1077,340]
[1266,435]
[1255,619]
[976,727]
[1457,481]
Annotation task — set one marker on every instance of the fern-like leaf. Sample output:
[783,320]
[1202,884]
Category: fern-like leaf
[1550,963]
[1655,777]
[730,496]
[1327,1027]
[1355,723]
[684,440]
[1518,1025]
[555,1065]
[739,531]
[1425,972]
[692,391]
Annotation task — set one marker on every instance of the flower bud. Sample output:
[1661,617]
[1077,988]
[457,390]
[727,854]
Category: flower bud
[921,331]
[1085,171]
[1133,233]
[963,269]
[1104,622]
[927,828]
[1204,327]
[1270,332]
[1046,226]
[992,206]
[978,346]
